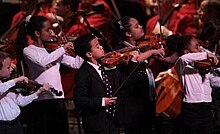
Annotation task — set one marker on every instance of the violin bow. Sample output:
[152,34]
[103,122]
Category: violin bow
[61,29]
[123,83]
[160,17]
[116,10]
[175,7]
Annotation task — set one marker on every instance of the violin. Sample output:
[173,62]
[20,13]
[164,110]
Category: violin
[205,66]
[153,40]
[5,44]
[35,86]
[112,59]
[27,87]
[55,43]
[59,41]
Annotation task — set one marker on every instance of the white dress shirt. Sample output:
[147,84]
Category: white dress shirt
[9,104]
[38,58]
[195,90]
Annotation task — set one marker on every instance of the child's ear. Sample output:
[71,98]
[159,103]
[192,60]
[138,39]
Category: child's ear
[128,34]
[37,33]
[185,51]
[89,55]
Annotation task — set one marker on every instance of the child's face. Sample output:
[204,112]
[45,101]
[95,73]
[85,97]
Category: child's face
[6,69]
[96,49]
[136,29]
[46,31]
[195,46]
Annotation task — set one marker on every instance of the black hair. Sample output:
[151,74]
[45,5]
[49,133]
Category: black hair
[28,27]
[119,28]
[211,33]
[35,24]
[183,43]
[172,42]
[3,56]
[213,7]
[82,45]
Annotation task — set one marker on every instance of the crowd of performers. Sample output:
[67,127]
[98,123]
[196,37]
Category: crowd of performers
[133,67]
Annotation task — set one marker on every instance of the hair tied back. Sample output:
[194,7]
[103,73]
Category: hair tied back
[120,24]
[27,19]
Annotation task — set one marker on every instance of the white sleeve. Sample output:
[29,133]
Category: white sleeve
[191,57]
[25,100]
[6,85]
[43,59]
[73,62]
[188,59]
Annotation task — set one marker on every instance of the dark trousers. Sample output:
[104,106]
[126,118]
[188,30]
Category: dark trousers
[196,118]
[141,129]
[46,117]
[164,126]
[106,131]
[111,127]
[11,127]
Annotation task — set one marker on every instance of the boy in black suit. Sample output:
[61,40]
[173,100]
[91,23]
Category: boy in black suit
[92,96]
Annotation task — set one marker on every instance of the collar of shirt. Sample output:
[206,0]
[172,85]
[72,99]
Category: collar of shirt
[96,67]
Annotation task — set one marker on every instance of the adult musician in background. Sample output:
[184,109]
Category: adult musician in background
[96,13]
[99,19]
[178,21]
[208,10]
[10,101]
[196,108]
[93,96]
[72,26]
[40,7]
[123,8]
[173,21]
[47,116]
[136,107]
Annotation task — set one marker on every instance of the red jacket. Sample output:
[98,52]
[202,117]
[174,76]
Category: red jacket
[181,21]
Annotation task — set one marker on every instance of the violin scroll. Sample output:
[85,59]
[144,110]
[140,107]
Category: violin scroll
[51,89]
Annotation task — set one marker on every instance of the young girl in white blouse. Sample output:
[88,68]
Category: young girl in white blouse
[10,101]
[44,66]
[196,108]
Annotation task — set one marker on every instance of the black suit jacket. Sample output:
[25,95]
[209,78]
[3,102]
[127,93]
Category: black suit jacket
[88,95]
[135,107]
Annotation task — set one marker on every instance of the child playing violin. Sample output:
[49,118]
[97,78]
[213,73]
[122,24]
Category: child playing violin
[43,67]
[93,96]
[136,107]
[10,101]
[196,107]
